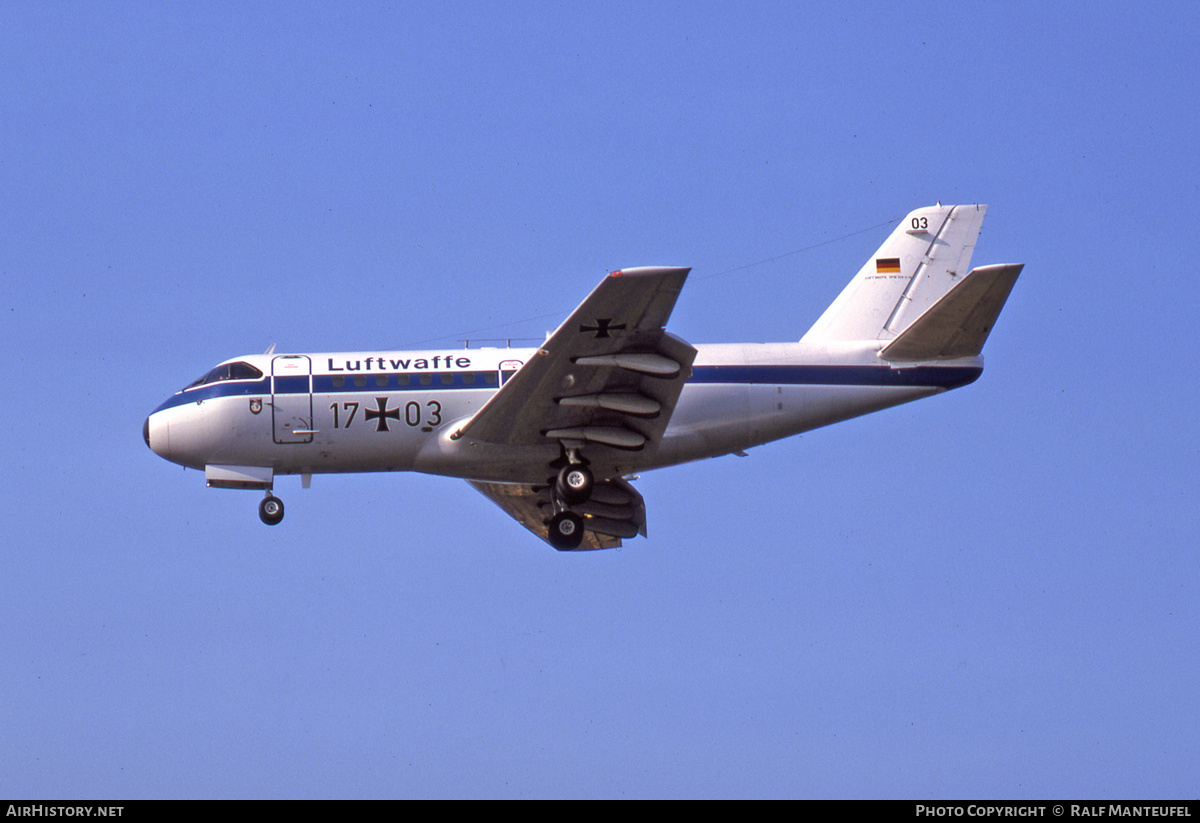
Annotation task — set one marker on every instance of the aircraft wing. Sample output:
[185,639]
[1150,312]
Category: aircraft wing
[610,376]
[615,510]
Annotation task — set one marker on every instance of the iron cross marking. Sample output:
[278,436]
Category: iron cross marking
[382,414]
[603,327]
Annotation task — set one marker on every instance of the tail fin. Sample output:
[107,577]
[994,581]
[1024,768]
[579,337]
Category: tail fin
[925,258]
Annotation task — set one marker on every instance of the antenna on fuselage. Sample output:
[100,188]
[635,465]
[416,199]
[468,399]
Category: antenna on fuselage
[271,350]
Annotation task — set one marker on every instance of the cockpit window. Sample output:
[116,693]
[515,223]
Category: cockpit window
[228,371]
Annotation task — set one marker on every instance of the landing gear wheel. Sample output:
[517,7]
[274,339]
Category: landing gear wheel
[566,531]
[574,484]
[270,510]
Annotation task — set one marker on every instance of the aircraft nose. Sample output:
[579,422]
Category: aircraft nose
[157,435]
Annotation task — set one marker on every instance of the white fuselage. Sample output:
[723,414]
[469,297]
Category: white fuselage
[552,434]
[400,411]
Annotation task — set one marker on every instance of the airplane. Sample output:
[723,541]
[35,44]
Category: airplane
[553,434]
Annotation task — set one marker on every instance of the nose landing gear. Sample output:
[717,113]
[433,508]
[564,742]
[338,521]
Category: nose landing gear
[270,510]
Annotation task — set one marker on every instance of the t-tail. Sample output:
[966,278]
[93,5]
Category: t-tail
[916,299]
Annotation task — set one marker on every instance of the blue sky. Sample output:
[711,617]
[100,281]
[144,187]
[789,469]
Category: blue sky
[986,594]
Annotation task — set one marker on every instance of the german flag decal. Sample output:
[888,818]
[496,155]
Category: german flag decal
[887,265]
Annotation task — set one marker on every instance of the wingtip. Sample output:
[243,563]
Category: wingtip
[650,271]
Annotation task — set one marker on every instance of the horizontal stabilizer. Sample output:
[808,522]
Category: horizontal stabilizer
[958,324]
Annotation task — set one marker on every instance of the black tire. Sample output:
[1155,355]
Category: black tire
[270,510]
[574,484]
[566,531]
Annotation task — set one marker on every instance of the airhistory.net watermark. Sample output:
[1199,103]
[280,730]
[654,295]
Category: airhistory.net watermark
[45,810]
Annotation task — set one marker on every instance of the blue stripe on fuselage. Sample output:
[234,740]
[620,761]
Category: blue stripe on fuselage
[934,377]
[337,384]
[407,381]
[224,388]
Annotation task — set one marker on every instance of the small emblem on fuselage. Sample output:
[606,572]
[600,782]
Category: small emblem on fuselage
[381,414]
[255,405]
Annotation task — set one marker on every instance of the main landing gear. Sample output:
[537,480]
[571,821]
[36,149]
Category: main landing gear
[574,484]
[270,510]
[572,487]
[566,531]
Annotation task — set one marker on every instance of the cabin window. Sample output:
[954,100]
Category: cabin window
[339,381]
[426,379]
[381,379]
[243,371]
[228,371]
[447,378]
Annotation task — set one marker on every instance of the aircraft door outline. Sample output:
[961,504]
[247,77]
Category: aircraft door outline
[508,368]
[291,399]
